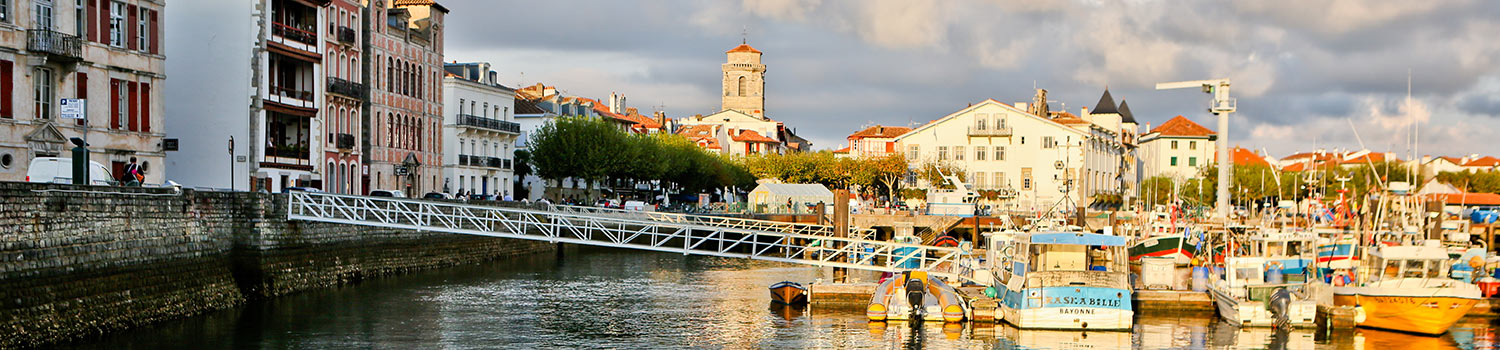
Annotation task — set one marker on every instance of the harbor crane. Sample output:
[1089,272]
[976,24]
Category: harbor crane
[1221,106]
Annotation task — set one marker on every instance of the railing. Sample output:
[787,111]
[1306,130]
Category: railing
[489,123]
[294,34]
[997,130]
[292,93]
[686,235]
[346,35]
[345,141]
[346,88]
[719,221]
[492,162]
[1224,105]
[55,43]
[287,152]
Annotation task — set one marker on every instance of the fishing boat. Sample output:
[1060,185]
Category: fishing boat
[1163,237]
[1062,280]
[788,293]
[1266,284]
[916,296]
[1406,288]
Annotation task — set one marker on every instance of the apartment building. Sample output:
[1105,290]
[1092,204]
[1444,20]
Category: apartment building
[479,130]
[405,53]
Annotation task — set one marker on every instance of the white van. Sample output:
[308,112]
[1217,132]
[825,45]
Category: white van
[639,206]
[60,170]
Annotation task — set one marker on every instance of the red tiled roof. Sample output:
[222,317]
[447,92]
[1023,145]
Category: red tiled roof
[743,48]
[1469,198]
[1373,158]
[1245,157]
[1488,161]
[880,131]
[696,131]
[1066,118]
[842,150]
[1181,126]
[752,136]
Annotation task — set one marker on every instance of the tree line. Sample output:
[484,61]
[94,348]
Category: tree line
[595,150]
[1262,183]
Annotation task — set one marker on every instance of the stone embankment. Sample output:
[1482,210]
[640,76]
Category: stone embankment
[85,260]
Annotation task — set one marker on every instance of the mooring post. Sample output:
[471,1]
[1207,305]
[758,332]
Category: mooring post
[841,228]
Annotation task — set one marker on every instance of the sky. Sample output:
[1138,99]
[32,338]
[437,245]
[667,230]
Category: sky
[1307,74]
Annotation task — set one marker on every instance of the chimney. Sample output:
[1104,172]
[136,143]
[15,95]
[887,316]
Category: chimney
[1084,112]
[879,129]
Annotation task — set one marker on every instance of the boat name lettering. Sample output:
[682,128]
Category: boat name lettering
[1084,301]
[1075,311]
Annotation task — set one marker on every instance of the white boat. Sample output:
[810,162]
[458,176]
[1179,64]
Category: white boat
[1062,280]
[916,296]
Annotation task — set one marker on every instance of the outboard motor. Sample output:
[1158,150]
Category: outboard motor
[1279,304]
[915,290]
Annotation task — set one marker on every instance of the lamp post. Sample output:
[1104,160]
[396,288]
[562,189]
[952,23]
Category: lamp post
[231,163]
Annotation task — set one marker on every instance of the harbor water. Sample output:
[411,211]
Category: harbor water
[603,298]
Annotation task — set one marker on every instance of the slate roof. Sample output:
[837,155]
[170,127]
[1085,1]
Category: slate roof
[1106,104]
[1125,115]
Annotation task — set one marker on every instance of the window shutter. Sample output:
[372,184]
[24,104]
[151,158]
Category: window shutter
[155,33]
[7,80]
[83,93]
[145,107]
[135,123]
[104,32]
[132,28]
[114,103]
[94,25]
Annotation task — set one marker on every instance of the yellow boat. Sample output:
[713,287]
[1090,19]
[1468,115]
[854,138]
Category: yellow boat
[1406,288]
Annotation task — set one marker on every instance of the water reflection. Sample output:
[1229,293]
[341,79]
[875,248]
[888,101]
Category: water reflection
[620,299]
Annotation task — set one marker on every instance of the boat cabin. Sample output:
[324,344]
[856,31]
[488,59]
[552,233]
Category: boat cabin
[1403,262]
[1062,259]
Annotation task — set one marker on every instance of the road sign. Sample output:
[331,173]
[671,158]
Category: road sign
[401,170]
[73,108]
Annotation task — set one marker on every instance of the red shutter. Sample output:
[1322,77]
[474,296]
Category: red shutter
[7,80]
[155,33]
[114,103]
[104,6]
[135,123]
[132,28]
[83,93]
[94,24]
[145,107]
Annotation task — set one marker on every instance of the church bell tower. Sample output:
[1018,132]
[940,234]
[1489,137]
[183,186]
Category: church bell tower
[744,81]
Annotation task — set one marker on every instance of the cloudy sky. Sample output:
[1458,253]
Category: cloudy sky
[1302,70]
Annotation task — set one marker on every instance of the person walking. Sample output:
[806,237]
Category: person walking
[133,175]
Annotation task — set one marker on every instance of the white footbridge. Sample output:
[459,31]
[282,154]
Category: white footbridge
[809,244]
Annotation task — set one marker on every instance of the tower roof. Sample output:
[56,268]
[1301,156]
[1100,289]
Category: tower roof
[1125,115]
[743,48]
[1106,104]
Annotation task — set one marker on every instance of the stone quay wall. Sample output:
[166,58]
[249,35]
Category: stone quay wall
[77,261]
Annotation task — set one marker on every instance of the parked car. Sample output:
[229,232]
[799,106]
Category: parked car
[60,170]
[303,189]
[387,193]
[437,195]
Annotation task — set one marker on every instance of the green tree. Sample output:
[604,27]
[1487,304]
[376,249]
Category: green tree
[577,147]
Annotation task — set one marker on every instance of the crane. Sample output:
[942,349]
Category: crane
[1221,106]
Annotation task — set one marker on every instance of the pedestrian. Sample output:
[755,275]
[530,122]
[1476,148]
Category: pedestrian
[508,198]
[133,175]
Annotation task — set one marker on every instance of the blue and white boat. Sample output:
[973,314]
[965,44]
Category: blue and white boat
[1062,280]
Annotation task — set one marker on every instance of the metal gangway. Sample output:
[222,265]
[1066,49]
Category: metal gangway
[718,221]
[662,232]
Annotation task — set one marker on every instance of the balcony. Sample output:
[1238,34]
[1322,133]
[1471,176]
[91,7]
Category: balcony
[292,97]
[990,131]
[489,123]
[297,35]
[62,46]
[346,88]
[287,157]
[345,141]
[346,35]
[482,161]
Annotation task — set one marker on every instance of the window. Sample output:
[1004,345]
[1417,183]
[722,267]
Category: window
[1048,142]
[1174,161]
[41,12]
[1174,144]
[958,152]
[912,152]
[1192,144]
[5,10]
[122,114]
[1000,122]
[979,180]
[979,123]
[1000,180]
[117,24]
[979,152]
[44,85]
[80,22]
[1025,178]
[741,87]
[460,106]
[1192,161]
[144,38]
[1414,269]
[1000,153]
[942,152]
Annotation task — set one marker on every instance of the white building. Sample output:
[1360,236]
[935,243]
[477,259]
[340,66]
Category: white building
[734,132]
[267,93]
[1027,158]
[479,131]
[1177,149]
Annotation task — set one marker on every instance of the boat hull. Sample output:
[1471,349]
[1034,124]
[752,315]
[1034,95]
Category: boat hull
[1162,246]
[788,293]
[1246,313]
[1414,310]
[1069,308]
[940,302]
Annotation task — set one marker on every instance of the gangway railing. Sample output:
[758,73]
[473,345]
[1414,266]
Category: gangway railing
[631,233]
[718,221]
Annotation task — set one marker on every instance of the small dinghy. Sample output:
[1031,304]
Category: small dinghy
[788,293]
[915,296]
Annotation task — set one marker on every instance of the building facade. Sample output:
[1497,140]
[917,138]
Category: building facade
[744,82]
[479,130]
[344,101]
[107,53]
[876,141]
[1177,149]
[275,137]
[405,53]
